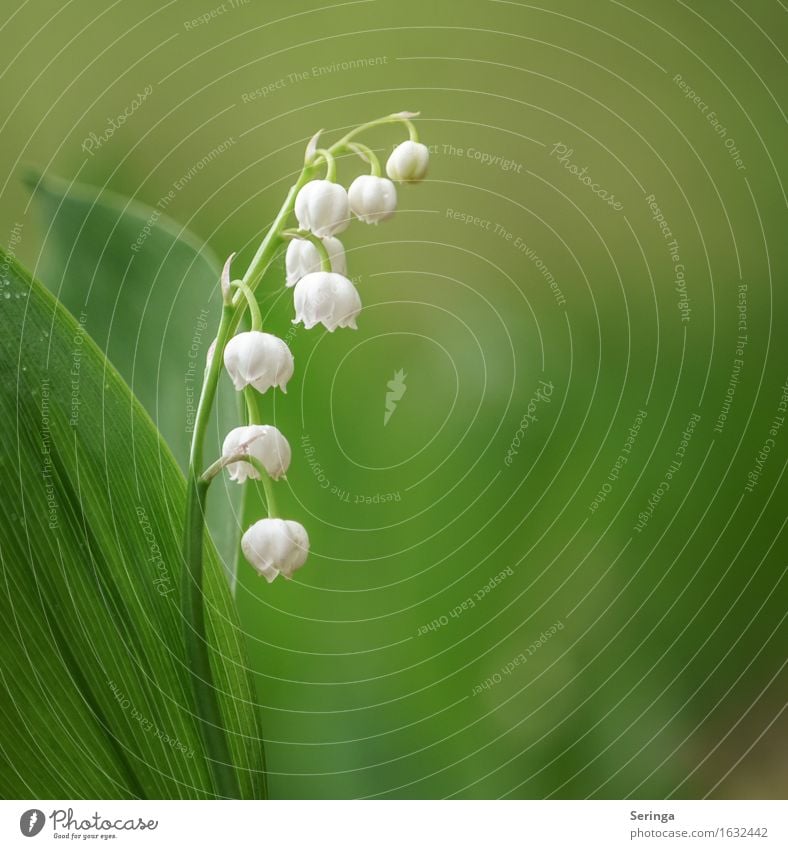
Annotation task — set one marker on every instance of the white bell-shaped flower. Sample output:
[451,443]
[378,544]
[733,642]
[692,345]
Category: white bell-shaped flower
[265,443]
[322,208]
[258,359]
[408,162]
[372,199]
[327,298]
[303,258]
[276,547]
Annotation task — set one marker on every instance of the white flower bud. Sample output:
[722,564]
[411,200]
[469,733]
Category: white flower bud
[372,199]
[303,258]
[275,546]
[258,359]
[408,162]
[327,298]
[322,208]
[264,442]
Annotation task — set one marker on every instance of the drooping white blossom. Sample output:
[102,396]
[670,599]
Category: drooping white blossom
[258,359]
[322,208]
[408,162]
[276,547]
[326,298]
[265,443]
[303,258]
[372,199]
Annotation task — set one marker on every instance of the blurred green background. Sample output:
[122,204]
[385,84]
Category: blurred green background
[644,657]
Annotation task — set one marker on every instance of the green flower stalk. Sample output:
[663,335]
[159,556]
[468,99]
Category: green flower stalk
[257,361]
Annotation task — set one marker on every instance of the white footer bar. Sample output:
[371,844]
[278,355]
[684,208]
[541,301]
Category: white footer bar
[395,824]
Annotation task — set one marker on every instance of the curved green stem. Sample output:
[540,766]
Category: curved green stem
[210,473]
[368,155]
[396,117]
[325,259]
[331,165]
[254,307]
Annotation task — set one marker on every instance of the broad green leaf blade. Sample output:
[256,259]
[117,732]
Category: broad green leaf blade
[147,291]
[91,646]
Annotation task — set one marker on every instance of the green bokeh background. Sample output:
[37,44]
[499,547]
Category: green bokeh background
[666,676]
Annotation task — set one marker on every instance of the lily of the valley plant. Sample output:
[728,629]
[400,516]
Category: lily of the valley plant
[257,362]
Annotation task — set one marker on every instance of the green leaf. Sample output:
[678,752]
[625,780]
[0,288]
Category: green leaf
[98,701]
[146,290]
